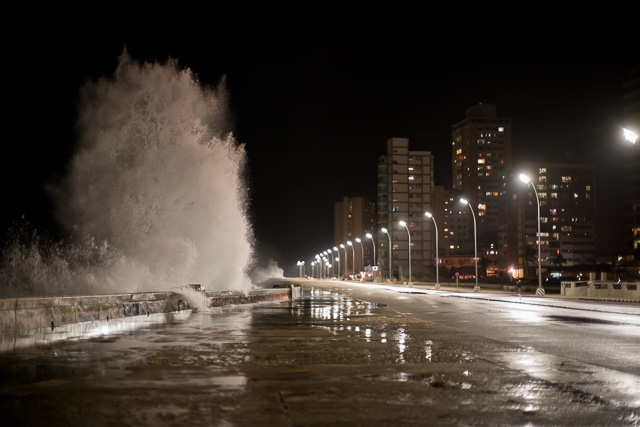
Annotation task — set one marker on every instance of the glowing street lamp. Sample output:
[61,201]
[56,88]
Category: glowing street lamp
[338,261]
[475,242]
[353,258]
[428,215]
[404,224]
[328,252]
[346,260]
[369,236]
[336,250]
[384,230]
[361,251]
[300,265]
[630,135]
[540,291]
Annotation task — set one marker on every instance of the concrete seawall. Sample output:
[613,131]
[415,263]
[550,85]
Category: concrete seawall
[23,314]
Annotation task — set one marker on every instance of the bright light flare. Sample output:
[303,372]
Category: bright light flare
[428,214]
[630,135]
[464,201]
[524,178]
[402,223]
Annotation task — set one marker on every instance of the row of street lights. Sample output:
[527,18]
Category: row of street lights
[323,261]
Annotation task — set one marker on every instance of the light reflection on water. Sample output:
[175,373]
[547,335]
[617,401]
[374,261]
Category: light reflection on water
[342,310]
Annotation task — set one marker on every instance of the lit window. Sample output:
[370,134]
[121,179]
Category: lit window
[566,179]
[481,161]
[542,170]
[500,129]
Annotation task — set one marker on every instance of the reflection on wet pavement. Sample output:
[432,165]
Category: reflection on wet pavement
[324,359]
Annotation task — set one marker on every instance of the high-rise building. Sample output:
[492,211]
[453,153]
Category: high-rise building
[354,217]
[481,158]
[566,192]
[405,190]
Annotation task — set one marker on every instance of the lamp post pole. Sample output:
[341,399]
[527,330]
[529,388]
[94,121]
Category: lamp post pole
[361,251]
[346,260]
[540,291]
[404,224]
[475,242]
[428,214]
[353,258]
[384,230]
[373,243]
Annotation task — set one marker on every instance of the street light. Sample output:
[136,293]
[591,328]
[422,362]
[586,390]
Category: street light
[338,260]
[346,260]
[428,214]
[328,251]
[300,265]
[630,135]
[404,224]
[361,251]
[384,230]
[475,242]
[373,243]
[353,258]
[336,249]
[540,291]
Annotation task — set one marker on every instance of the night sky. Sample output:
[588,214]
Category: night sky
[314,96]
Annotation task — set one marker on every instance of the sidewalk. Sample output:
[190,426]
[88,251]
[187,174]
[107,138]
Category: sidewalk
[528,291]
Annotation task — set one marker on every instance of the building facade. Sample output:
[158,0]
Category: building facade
[481,159]
[566,193]
[405,191]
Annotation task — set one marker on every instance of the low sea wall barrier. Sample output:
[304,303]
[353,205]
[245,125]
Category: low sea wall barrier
[23,314]
[600,289]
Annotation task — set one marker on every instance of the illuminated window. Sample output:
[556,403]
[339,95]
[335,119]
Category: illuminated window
[459,151]
[542,170]
[500,129]
[566,179]
[481,161]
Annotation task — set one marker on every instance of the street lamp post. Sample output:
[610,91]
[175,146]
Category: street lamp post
[346,260]
[475,242]
[353,258]
[300,265]
[428,214]
[336,250]
[373,243]
[540,291]
[404,224]
[361,251]
[328,251]
[384,230]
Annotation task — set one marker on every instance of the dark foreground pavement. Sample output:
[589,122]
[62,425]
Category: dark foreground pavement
[324,359]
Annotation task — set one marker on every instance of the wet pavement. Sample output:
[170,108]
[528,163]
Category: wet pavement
[329,358]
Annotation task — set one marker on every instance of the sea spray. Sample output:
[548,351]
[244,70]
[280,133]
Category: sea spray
[154,196]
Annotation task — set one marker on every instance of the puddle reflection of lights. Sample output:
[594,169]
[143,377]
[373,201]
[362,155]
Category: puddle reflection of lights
[401,337]
[427,350]
[526,316]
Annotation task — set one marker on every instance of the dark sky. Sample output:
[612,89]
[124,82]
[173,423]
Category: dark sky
[314,95]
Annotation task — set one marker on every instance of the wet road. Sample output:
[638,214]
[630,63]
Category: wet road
[347,355]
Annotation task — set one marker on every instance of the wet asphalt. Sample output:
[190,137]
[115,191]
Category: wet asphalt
[328,358]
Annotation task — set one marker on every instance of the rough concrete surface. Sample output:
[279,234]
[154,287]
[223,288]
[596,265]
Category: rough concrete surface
[322,359]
